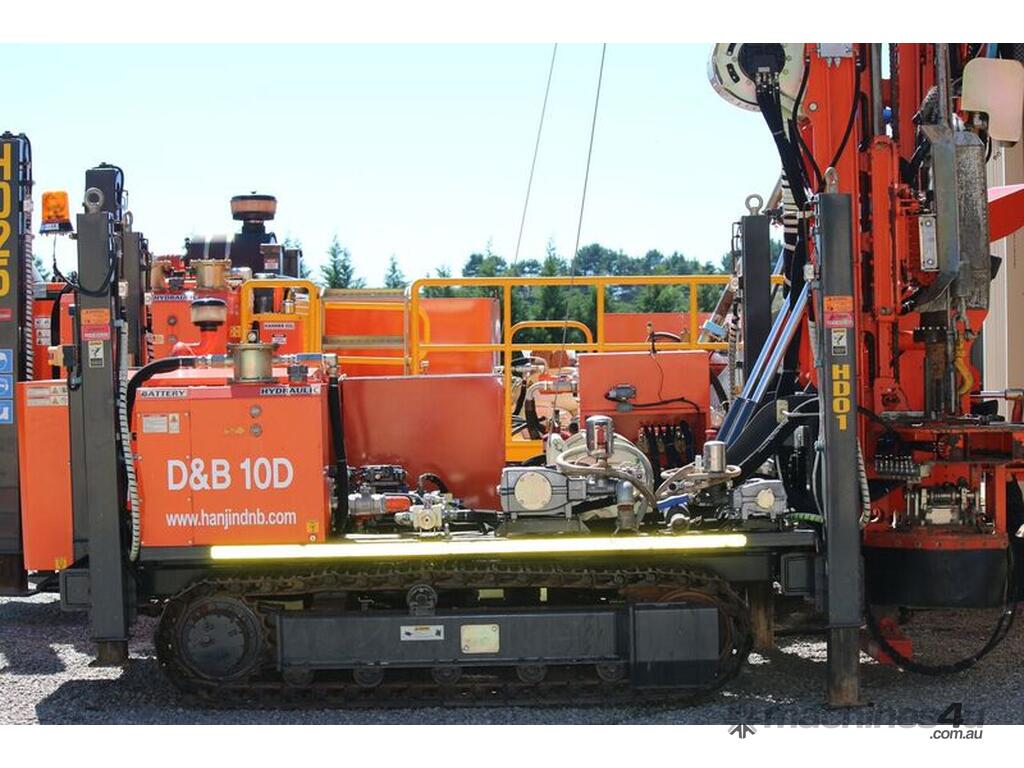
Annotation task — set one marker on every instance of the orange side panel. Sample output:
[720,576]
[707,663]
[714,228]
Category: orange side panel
[664,376]
[44,448]
[632,326]
[462,321]
[450,425]
[452,321]
[242,464]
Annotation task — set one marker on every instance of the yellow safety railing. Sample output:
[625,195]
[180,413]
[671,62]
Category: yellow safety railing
[405,360]
[576,324]
[310,312]
[518,450]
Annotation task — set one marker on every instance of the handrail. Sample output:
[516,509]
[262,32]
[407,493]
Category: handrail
[401,304]
[520,449]
[311,330]
[576,324]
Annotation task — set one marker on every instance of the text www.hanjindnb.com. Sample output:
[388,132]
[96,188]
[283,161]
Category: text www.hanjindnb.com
[229,518]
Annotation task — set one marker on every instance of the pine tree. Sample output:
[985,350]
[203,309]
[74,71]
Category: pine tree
[551,304]
[338,272]
[42,271]
[441,292]
[394,277]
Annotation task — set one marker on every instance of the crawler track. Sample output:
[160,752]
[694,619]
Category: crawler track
[264,685]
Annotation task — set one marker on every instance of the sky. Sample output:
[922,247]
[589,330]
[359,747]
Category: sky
[418,151]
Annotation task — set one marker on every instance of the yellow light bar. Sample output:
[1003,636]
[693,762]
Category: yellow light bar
[418,548]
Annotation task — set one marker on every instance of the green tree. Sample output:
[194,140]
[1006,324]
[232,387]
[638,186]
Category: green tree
[441,292]
[42,271]
[394,277]
[338,271]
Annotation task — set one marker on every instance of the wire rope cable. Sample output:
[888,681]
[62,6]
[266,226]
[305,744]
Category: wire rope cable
[536,151]
[583,198]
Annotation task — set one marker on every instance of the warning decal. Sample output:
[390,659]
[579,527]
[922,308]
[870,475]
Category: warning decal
[838,312]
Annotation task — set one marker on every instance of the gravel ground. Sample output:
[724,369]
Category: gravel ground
[45,677]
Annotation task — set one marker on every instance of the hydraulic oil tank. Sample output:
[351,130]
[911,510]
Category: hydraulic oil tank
[232,464]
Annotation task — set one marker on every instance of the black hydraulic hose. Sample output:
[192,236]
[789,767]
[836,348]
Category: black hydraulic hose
[430,477]
[533,426]
[999,633]
[55,323]
[671,454]
[653,337]
[520,400]
[723,396]
[337,419]
[749,464]
[148,371]
[653,454]
[794,129]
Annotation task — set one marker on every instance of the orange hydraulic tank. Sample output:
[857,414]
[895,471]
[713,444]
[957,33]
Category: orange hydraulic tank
[44,474]
[449,425]
[664,378]
[232,464]
[171,320]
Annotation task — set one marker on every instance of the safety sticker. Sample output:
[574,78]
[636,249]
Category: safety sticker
[278,326]
[6,315]
[95,316]
[46,395]
[42,322]
[838,312]
[42,335]
[95,332]
[6,411]
[422,632]
[96,356]
[6,360]
[6,385]
[154,423]
[279,338]
[161,423]
[480,638]
[840,342]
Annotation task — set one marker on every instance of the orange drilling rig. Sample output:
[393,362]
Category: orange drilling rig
[381,497]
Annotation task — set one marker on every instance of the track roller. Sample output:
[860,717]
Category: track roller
[449,674]
[368,677]
[531,673]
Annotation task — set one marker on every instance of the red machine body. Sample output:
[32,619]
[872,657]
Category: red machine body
[458,424]
[671,388]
